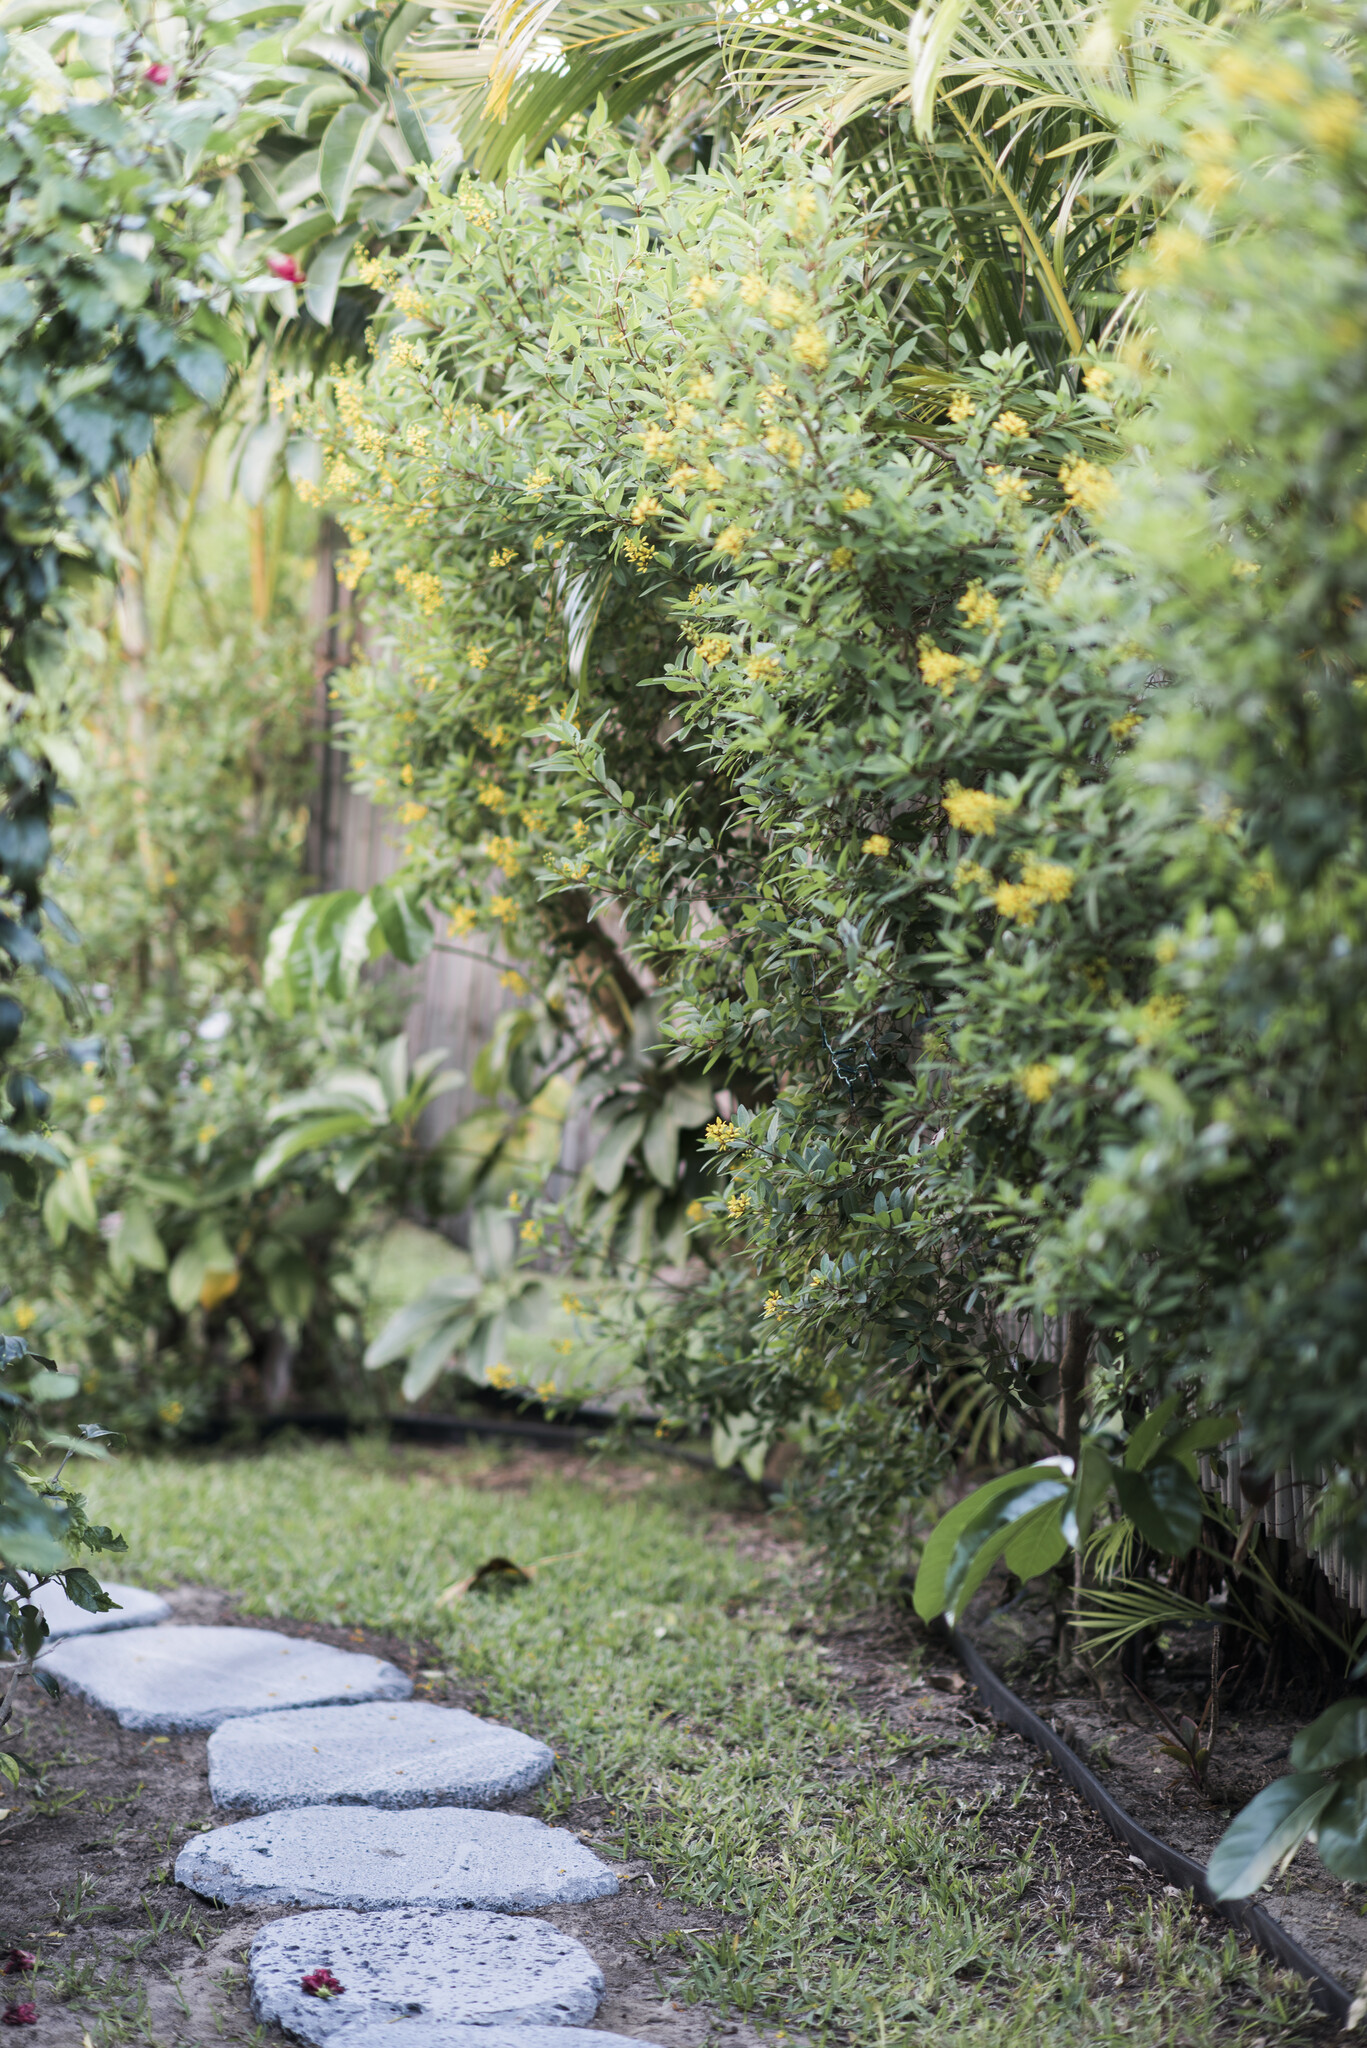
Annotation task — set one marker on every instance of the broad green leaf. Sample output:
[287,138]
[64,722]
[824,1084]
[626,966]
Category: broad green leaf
[414,1324]
[404,921]
[660,1148]
[1038,1542]
[984,1540]
[1164,1503]
[690,1103]
[136,1243]
[1340,1833]
[325,268]
[931,1597]
[205,1264]
[1269,1827]
[609,1159]
[291,1287]
[313,1135]
[1144,1440]
[1338,1736]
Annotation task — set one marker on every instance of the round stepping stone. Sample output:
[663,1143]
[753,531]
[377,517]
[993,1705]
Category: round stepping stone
[363,1856]
[407,1974]
[406,1754]
[137,1608]
[421,2033]
[164,1679]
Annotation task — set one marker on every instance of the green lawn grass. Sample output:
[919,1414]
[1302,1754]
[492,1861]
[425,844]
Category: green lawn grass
[657,1657]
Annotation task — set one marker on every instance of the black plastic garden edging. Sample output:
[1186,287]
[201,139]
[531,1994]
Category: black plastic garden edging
[1265,1932]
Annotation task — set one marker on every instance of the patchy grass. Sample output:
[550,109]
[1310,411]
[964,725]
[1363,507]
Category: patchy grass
[667,1654]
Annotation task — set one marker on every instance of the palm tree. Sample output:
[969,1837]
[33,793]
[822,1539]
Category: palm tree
[987,131]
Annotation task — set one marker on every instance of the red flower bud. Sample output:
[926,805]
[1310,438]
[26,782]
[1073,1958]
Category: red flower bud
[18,1963]
[19,2016]
[321,1984]
[157,74]
[285,268]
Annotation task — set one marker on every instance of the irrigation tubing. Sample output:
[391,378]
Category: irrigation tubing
[1266,1933]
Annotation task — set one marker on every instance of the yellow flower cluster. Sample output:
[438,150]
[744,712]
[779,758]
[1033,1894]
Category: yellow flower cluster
[773,1304]
[501,1376]
[714,648]
[1041,882]
[763,668]
[462,921]
[939,669]
[736,1206]
[1011,425]
[1039,1081]
[810,347]
[411,814]
[878,844]
[1098,379]
[785,442]
[646,507]
[753,287]
[961,408]
[422,586]
[478,658]
[783,307]
[639,552]
[1089,486]
[1009,484]
[722,1134]
[501,557]
[351,567]
[855,501]
[731,541]
[656,443]
[701,289]
[504,853]
[537,484]
[474,205]
[503,908]
[1121,728]
[980,608]
[491,797]
[842,558]
[974,811]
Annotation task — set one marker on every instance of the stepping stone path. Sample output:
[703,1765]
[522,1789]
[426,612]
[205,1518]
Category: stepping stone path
[136,1609]
[368,1857]
[310,1737]
[167,1679]
[472,1969]
[407,1754]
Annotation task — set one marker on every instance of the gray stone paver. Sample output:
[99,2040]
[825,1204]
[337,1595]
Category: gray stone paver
[443,1970]
[373,1858]
[170,1678]
[400,1753]
[137,1608]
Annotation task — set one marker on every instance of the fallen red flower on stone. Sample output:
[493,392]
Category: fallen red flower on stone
[157,74]
[321,1984]
[19,2016]
[285,268]
[18,1963]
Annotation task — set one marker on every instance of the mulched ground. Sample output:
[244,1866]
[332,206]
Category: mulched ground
[1117,1736]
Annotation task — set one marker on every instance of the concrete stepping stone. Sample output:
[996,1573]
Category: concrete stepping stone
[169,1678]
[420,2033]
[137,1608]
[406,1754]
[365,1856]
[411,1975]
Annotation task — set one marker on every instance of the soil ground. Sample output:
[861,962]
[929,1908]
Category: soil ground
[1117,1736]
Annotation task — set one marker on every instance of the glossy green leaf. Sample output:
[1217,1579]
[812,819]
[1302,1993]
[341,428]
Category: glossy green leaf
[1268,1828]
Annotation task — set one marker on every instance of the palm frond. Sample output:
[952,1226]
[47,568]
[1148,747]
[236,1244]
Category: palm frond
[1111,1616]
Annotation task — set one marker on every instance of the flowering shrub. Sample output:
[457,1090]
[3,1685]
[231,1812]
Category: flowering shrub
[829,746]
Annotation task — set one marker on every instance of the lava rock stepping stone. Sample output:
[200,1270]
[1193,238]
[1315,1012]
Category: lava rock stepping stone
[164,1679]
[363,1856]
[420,2033]
[427,1972]
[406,1754]
[137,1608]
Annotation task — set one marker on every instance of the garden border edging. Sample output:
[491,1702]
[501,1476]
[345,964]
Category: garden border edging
[1265,1932]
